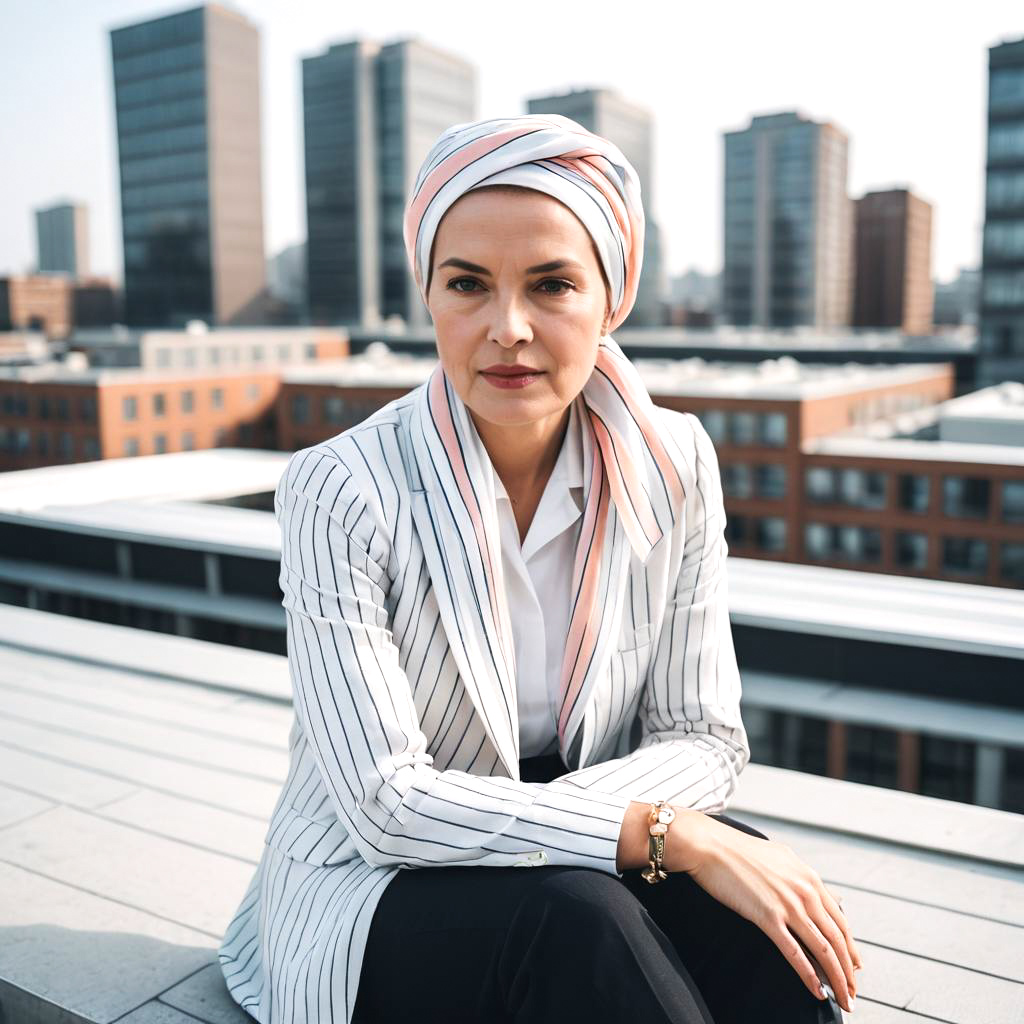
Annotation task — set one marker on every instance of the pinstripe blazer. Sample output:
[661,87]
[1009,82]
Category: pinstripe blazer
[404,751]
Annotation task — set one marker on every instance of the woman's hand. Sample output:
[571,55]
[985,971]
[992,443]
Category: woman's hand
[765,882]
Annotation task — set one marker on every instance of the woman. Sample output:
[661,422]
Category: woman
[507,635]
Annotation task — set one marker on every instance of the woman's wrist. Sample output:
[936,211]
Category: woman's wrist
[682,840]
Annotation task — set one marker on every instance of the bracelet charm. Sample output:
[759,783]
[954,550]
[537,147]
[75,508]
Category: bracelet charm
[660,818]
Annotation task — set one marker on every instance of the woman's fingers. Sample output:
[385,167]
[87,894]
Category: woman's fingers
[835,908]
[818,946]
[793,951]
[829,931]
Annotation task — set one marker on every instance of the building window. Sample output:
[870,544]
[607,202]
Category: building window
[818,541]
[965,497]
[44,407]
[1013,501]
[188,401]
[284,353]
[159,443]
[159,404]
[311,350]
[773,429]
[189,355]
[188,441]
[860,543]
[257,353]
[964,555]
[829,542]
[252,391]
[914,492]
[911,549]
[862,488]
[871,755]
[87,408]
[213,355]
[217,398]
[736,480]
[163,357]
[771,533]
[819,483]
[334,409]
[66,445]
[947,768]
[131,446]
[1011,564]
[63,409]
[771,481]
[743,428]
[220,436]
[300,408]
[129,407]
[90,448]
[714,422]
[736,530]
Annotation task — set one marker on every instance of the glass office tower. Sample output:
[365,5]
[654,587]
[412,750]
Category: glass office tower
[186,89]
[788,224]
[370,115]
[1001,347]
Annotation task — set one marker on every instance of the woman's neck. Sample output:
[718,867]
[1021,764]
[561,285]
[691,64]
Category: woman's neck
[524,456]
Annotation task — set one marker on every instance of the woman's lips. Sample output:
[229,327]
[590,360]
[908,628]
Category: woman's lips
[517,380]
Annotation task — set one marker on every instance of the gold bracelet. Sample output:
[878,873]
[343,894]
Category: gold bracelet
[660,818]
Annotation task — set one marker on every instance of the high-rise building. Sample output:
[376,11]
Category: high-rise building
[370,115]
[187,96]
[788,224]
[893,275]
[1001,348]
[631,128]
[62,239]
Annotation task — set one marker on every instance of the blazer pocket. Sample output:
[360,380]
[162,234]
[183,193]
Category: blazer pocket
[638,637]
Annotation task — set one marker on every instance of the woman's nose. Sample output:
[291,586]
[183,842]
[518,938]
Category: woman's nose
[509,322]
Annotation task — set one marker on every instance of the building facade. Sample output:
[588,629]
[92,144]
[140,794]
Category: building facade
[62,239]
[1001,349]
[370,115]
[187,96]
[788,224]
[893,276]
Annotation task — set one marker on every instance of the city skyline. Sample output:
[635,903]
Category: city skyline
[62,106]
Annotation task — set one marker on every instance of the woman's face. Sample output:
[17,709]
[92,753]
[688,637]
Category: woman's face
[516,279]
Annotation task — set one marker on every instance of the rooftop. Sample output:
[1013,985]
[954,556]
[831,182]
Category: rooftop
[913,450]
[124,852]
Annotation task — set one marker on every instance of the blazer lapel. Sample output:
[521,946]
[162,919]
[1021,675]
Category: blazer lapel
[456,517]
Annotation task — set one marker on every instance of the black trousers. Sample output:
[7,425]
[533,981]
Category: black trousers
[471,945]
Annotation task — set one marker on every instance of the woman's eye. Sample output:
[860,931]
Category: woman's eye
[460,280]
[561,284]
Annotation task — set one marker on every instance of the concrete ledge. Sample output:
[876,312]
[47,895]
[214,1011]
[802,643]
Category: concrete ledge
[885,815]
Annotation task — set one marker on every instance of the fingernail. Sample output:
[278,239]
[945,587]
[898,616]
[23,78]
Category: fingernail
[853,1003]
[821,992]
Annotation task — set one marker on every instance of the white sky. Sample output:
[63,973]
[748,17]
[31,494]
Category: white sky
[906,80]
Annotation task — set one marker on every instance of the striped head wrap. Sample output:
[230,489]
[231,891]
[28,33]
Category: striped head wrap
[631,487]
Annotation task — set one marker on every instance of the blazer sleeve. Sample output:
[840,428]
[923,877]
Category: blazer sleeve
[693,742]
[355,706]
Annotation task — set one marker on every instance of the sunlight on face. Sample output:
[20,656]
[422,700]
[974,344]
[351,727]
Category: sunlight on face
[503,309]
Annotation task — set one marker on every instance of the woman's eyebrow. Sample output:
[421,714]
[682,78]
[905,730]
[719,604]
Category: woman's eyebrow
[541,268]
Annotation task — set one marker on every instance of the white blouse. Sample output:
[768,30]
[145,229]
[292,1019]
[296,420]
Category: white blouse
[538,580]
